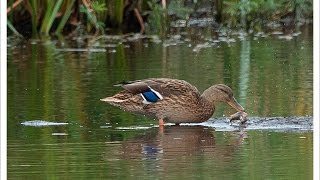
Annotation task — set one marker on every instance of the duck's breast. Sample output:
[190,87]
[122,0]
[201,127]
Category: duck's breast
[177,110]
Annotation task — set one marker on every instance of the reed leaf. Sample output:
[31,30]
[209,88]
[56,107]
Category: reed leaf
[92,18]
[34,7]
[45,20]
[11,27]
[118,12]
[65,17]
[100,7]
[10,15]
[50,15]
[53,15]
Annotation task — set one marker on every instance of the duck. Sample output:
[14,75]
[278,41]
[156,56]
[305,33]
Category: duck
[173,100]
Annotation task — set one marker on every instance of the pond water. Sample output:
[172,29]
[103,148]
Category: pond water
[59,129]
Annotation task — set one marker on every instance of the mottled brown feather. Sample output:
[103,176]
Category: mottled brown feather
[182,102]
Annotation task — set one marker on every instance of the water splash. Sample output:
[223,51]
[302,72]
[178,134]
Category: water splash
[41,123]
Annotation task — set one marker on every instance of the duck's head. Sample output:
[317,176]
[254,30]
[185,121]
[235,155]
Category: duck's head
[222,93]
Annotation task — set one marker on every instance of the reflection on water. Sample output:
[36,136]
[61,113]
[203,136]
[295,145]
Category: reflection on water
[178,141]
[179,149]
[50,81]
[175,152]
[244,69]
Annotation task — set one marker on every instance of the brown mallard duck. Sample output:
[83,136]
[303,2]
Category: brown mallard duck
[173,100]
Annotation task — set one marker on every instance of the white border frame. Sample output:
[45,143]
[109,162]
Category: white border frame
[3,95]
[316,107]
[3,89]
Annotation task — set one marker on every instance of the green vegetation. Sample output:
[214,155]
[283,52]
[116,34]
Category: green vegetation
[43,18]
[66,15]
[258,13]
[49,16]
[92,19]
[157,19]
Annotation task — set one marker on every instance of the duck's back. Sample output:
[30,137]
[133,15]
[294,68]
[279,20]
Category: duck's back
[168,87]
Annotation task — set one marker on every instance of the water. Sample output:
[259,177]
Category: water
[57,86]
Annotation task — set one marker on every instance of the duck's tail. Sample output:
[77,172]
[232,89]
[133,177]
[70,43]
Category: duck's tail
[115,101]
[125,104]
[112,100]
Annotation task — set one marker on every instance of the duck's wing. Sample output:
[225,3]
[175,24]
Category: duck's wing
[159,93]
[165,87]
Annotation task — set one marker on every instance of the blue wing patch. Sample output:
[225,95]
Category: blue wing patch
[151,96]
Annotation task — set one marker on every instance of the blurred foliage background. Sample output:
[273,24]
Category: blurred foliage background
[34,18]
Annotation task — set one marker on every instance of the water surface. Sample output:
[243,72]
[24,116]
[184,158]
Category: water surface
[62,82]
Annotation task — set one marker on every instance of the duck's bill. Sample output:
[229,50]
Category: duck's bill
[234,103]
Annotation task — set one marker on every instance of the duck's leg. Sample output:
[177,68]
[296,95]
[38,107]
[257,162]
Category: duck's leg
[161,122]
[161,125]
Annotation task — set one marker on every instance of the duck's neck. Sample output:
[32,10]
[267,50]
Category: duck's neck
[210,95]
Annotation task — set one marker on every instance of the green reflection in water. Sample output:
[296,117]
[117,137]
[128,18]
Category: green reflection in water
[177,152]
[270,77]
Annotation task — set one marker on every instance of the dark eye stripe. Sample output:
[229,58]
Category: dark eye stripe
[221,88]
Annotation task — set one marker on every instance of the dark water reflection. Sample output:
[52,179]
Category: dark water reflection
[48,81]
[176,152]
